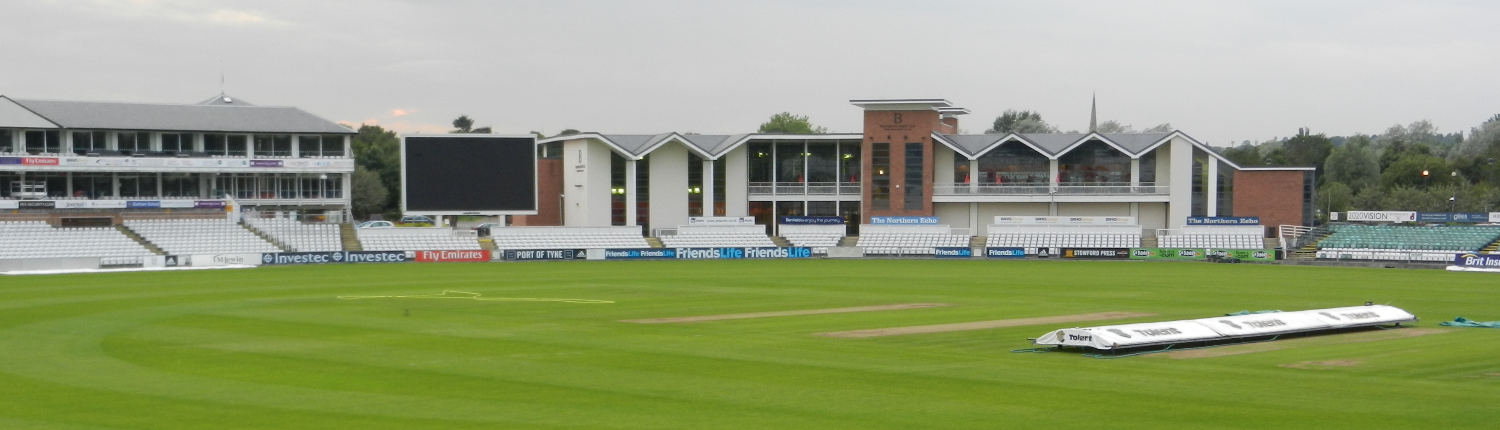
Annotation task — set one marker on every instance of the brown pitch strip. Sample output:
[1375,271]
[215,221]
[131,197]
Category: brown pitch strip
[704,318]
[981,325]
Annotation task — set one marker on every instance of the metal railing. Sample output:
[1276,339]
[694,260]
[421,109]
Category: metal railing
[1066,188]
[804,189]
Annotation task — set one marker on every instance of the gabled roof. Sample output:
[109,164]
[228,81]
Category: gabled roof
[226,100]
[13,115]
[706,146]
[228,118]
[1052,145]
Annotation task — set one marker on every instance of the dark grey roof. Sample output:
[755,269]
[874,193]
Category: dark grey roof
[1135,143]
[226,100]
[972,144]
[1053,143]
[713,144]
[635,144]
[175,117]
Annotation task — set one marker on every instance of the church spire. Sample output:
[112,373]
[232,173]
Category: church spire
[1094,114]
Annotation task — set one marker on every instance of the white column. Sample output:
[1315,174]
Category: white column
[1052,177]
[974,213]
[1180,198]
[296,143]
[1135,172]
[974,177]
[158,184]
[1211,191]
[346,146]
[737,182]
[65,141]
[112,140]
[114,184]
[631,208]
[708,187]
[346,180]
[70,184]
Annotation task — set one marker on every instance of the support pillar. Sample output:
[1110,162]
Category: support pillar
[631,208]
[1211,190]
[114,179]
[708,188]
[70,183]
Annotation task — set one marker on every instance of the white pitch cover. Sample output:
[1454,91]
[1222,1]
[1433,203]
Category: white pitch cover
[1355,316]
[1226,327]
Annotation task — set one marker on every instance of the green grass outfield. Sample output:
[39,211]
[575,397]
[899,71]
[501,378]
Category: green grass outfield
[273,348]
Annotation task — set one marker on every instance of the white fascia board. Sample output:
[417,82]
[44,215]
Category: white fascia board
[1101,137]
[956,149]
[677,137]
[1164,140]
[595,136]
[754,136]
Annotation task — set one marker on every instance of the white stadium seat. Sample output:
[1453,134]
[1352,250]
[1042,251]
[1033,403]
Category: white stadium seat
[200,236]
[37,239]
[297,236]
[686,238]
[1212,241]
[567,238]
[909,243]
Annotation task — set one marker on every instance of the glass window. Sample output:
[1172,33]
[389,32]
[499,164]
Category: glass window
[133,142]
[138,186]
[616,189]
[719,187]
[1225,205]
[238,145]
[88,141]
[643,192]
[181,184]
[333,187]
[549,150]
[759,161]
[822,208]
[849,161]
[1199,206]
[179,143]
[1148,168]
[262,145]
[695,185]
[309,146]
[790,162]
[333,146]
[880,182]
[960,169]
[213,144]
[822,162]
[789,209]
[914,177]
[1013,163]
[764,214]
[1094,162]
[7,144]
[850,212]
[43,142]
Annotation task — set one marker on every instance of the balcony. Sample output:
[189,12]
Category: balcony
[1038,192]
[834,190]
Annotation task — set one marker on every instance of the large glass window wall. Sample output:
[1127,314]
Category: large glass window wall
[178,143]
[695,185]
[272,145]
[138,185]
[280,186]
[804,167]
[1013,163]
[181,185]
[1094,162]
[7,141]
[131,143]
[880,182]
[43,142]
[333,146]
[85,142]
[913,180]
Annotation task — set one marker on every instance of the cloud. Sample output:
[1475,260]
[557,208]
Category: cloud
[399,112]
[197,12]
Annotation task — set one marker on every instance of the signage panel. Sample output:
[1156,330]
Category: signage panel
[639,253]
[1245,254]
[539,254]
[1095,253]
[176,204]
[1005,252]
[721,220]
[143,204]
[36,204]
[741,253]
[1167,254]
[10,204]
[1382,216]
[953,252]
[452,256]
[1067,220]
[211,204]
[334,257]
[265,163]
[814,220]
[1453,217]
[1491,261]
[1223,220]
[212,260]
[903,220]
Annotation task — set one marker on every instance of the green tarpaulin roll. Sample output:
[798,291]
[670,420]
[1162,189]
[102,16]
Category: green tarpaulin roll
[1465,322]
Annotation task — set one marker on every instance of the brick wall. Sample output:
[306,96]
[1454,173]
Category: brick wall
[1274,196]
[899,128]
[549,184]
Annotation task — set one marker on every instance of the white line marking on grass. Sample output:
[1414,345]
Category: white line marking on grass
[476,296]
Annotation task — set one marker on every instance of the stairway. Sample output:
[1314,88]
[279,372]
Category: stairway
[1148,241]
[849,241]
[1492,248]
[977,242]
[349,238]
[141,240]
[487,243]
[781,241]
[654,242]
[265,237]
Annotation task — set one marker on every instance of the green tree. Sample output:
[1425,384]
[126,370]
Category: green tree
[1334,197]
[1354,164]
[368,193]
[1408,173]
[1113,126]
[1024,121]
[786,123]
[1165,127]
[378,151]
[1245,155]
[464,124]
[1307,149]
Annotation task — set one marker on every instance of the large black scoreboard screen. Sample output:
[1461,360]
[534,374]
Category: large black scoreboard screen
[468,174]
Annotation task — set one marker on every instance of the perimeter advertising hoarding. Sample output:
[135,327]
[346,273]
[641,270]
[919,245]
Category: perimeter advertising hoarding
[721,220]
[1382,216]
[1095,253]
[953,252]
[1066,220]
[1453,217]
[639,253]
[742,253]
[451,256]
[215,260]
[1223,220]
[1005,252]
[334,257]
[539,254]
[1477,260]
[1167,254]
[1245,254]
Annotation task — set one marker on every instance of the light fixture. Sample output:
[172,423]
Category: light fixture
[1424,173]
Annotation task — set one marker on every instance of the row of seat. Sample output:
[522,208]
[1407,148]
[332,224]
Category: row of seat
[909,243]
[1415,238]
[702,240]
[298,236]
[419,243]
[542,240]
[818,241]
[37,239]
[1063,240]
[1384,254]
[1214,241]
[200,236]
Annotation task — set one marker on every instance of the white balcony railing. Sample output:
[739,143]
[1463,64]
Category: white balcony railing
[804,189]
[1042,189]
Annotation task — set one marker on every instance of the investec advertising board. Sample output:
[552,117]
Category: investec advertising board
[707,253]
[335,257]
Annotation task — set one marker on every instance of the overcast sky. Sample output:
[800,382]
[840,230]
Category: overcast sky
[1220,71]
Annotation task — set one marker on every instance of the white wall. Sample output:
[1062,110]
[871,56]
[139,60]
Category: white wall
[669,184]
[942,166]
[988,212]
[1180,202]
[1093,209]
[736,183]
[954,214]
[586,183]
[1152,216]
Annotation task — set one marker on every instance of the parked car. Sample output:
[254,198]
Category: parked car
[416,219]
[483,230]
[375,224]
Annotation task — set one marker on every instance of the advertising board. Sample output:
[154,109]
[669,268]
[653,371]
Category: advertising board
[812,220]
[1453,217]
[742,253]
[1005,252]
[334,257]
[215,260]
[1167,254]
[1094,253]
[1245,254]
[1223,220]
[1477,260]
[451,256]
[1382,216]
[953,252]
[539,254]
[903,220]
[639,253]
[1066,220]
[721,220]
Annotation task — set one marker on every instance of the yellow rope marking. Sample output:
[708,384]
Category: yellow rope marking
[474,296]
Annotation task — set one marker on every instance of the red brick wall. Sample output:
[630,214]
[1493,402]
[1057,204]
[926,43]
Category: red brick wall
[549,184]
[1274,196]
[912,127]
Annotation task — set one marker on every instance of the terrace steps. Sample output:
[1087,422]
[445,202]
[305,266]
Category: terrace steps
[264,237]
[487,243]
[1148,241]
[654,242]
[141,240]
[780,241]
[349,238]
[1492,248]
[848,241]
[977,241]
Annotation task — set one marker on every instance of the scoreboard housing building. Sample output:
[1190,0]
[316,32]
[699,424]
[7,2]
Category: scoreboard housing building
[909,161]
